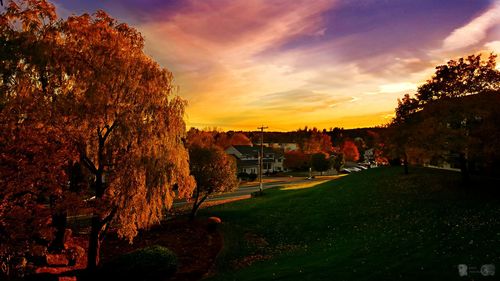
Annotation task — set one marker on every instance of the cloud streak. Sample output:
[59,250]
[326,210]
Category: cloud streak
[475,31]
[287,64]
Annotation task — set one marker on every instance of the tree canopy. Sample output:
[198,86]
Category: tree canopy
[86,82]
[214,172]
[452,116]
[211,137]
[350,151]
[320,162]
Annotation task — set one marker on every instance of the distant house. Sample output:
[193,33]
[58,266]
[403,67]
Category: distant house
[369,155]
[285,146]
[247,159]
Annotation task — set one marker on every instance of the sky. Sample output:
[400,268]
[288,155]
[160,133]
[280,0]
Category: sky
[287,64]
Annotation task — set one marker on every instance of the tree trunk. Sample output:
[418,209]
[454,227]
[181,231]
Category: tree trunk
[96,227]
[94,244]
[96,231]
[59,221]
[196,206]
[194,211]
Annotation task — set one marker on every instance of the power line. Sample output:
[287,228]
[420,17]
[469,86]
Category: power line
[261,158]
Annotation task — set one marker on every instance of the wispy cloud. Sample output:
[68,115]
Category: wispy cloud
[303,100]
[398,87]
[493,46]
[222,31]
[212,46]
[475,31]
[324,63]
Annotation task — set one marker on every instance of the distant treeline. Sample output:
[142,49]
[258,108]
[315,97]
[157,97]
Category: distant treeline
[338,135]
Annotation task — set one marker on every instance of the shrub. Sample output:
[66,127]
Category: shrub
[395,162]
[150,263]
[252,177]
[243,176]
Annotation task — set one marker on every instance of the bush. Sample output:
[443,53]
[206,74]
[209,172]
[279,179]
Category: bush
[243,176]
[252,177]
[395,162]
[247,177]
[150,263]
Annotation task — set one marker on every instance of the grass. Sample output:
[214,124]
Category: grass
[376,224]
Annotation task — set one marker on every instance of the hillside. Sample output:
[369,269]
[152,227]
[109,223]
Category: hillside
[373,225]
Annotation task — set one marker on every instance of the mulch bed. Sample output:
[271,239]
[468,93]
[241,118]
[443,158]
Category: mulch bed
[196,244]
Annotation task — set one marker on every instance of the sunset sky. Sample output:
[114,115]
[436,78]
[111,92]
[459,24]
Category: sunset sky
[288,64]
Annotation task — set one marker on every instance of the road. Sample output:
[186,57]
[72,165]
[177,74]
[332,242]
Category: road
[247,189]
[243,191]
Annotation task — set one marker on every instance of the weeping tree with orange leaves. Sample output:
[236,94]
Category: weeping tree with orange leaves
[114,104]
[130,126]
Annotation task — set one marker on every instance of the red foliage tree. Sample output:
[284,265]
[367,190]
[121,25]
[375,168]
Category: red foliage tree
[238,138]
[35,151]
[350,151]
[297,160]
[199,138]
[317,142]
[208,138]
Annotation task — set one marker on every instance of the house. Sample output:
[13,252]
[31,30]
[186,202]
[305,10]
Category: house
[369,155]
[247,159]
[285,146]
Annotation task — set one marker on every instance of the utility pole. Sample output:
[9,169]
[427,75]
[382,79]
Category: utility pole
[261,155]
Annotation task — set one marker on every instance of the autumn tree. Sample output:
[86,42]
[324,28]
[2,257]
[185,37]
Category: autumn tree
[317,142]
[400,130]
[456,79]
[350,151]
[200,138]
[461,128]
[297,160]
[436,122]
[227,139]
[35,153]
[238,138]
[337,161]
[130,124]
[33,163]
[462,77]
[320,162]
[114,103]
[214,172]
[210,137]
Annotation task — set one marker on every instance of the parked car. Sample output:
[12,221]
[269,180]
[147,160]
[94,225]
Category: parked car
[345,171]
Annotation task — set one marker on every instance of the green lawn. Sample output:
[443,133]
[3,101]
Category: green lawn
[376,224]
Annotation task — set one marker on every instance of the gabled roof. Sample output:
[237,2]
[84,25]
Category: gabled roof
[248,163]
[253,150]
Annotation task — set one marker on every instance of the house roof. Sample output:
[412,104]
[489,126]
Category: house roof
[254,150]
[248,163]
[251,163]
